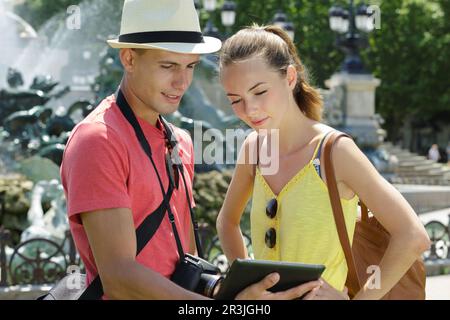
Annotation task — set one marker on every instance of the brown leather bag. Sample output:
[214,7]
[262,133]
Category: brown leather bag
[370,241]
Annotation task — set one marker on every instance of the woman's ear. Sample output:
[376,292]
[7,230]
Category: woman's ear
[127,58]
[291,75]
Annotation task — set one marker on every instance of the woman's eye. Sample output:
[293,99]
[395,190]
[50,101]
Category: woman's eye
[236,101]
[260,93]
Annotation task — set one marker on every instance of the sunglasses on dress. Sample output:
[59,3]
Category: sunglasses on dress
[271,212]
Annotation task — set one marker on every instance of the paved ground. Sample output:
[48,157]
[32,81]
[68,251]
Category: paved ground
[438,288]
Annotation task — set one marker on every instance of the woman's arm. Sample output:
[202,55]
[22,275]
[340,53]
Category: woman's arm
[408,236]
[238,194]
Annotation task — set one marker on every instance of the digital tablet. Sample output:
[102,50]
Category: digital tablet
[244,272]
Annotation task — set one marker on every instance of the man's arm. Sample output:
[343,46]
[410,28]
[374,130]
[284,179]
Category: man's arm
[112,238]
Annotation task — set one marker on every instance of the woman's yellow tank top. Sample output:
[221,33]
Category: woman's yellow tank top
[304,224]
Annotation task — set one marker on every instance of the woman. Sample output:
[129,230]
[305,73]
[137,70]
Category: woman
[291,216]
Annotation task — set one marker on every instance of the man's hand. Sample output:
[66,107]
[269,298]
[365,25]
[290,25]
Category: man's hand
[259,290]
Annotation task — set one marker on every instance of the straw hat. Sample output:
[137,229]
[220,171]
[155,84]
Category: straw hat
[170,25]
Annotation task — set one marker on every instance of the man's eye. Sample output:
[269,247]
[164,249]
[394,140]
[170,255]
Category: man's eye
[192,66]
[260,93]
[166,66]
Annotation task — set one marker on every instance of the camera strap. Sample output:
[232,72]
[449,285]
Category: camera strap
[171,143]
[151,223]
[128,113]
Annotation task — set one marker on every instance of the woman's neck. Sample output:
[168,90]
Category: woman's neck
[296,131]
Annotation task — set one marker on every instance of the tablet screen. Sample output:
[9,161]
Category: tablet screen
[244,272]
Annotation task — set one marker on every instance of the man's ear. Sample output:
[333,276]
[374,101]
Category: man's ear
[291,76]
[127,58]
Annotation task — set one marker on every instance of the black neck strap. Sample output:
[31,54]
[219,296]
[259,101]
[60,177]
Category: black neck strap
[171,140]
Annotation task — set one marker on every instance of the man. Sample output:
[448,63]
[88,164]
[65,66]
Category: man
[109,182]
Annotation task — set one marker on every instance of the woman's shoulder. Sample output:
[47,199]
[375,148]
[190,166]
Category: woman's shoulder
[344,146]
[247,158]
[345,149]
[348,160]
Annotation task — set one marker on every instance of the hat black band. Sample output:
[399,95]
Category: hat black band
[162,36]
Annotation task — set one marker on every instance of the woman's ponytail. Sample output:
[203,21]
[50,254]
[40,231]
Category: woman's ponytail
[307,97]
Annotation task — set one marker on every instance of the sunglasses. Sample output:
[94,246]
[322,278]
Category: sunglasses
[271,212]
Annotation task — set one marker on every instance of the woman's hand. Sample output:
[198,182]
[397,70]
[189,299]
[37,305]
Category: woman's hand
[259,290]
[327,292]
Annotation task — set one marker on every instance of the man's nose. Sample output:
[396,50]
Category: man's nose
[181,81]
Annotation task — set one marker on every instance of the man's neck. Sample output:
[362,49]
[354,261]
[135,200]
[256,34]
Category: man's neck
[138,106]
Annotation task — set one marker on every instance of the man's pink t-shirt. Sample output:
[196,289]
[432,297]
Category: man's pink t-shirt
[105,167]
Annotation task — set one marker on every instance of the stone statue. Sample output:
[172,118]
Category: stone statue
[14,78]
[15,98]
[43,132]
[53,223]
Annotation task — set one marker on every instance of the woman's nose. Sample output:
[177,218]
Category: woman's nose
[251,109]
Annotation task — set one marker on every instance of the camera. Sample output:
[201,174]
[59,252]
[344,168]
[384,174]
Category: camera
[197,275]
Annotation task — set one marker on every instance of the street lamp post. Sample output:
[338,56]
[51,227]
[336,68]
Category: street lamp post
[280,19]
[228,17]
[347,23]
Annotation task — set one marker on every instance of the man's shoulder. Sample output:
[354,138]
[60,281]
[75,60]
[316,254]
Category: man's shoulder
[103,122]
[106,112]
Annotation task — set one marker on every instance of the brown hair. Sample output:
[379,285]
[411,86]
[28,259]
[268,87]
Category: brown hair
[278,50]
[139,51]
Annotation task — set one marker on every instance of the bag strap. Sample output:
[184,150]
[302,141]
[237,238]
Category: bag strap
[338,213]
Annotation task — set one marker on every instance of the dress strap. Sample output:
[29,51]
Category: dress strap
[318,152]
[255,166]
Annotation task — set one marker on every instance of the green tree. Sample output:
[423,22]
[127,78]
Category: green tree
[410,56]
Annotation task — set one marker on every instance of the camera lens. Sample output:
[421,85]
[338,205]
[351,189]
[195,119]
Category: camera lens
[208,283]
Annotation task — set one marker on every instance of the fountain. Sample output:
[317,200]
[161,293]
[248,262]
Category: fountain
[16,34]
[70,54]
[51,224]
